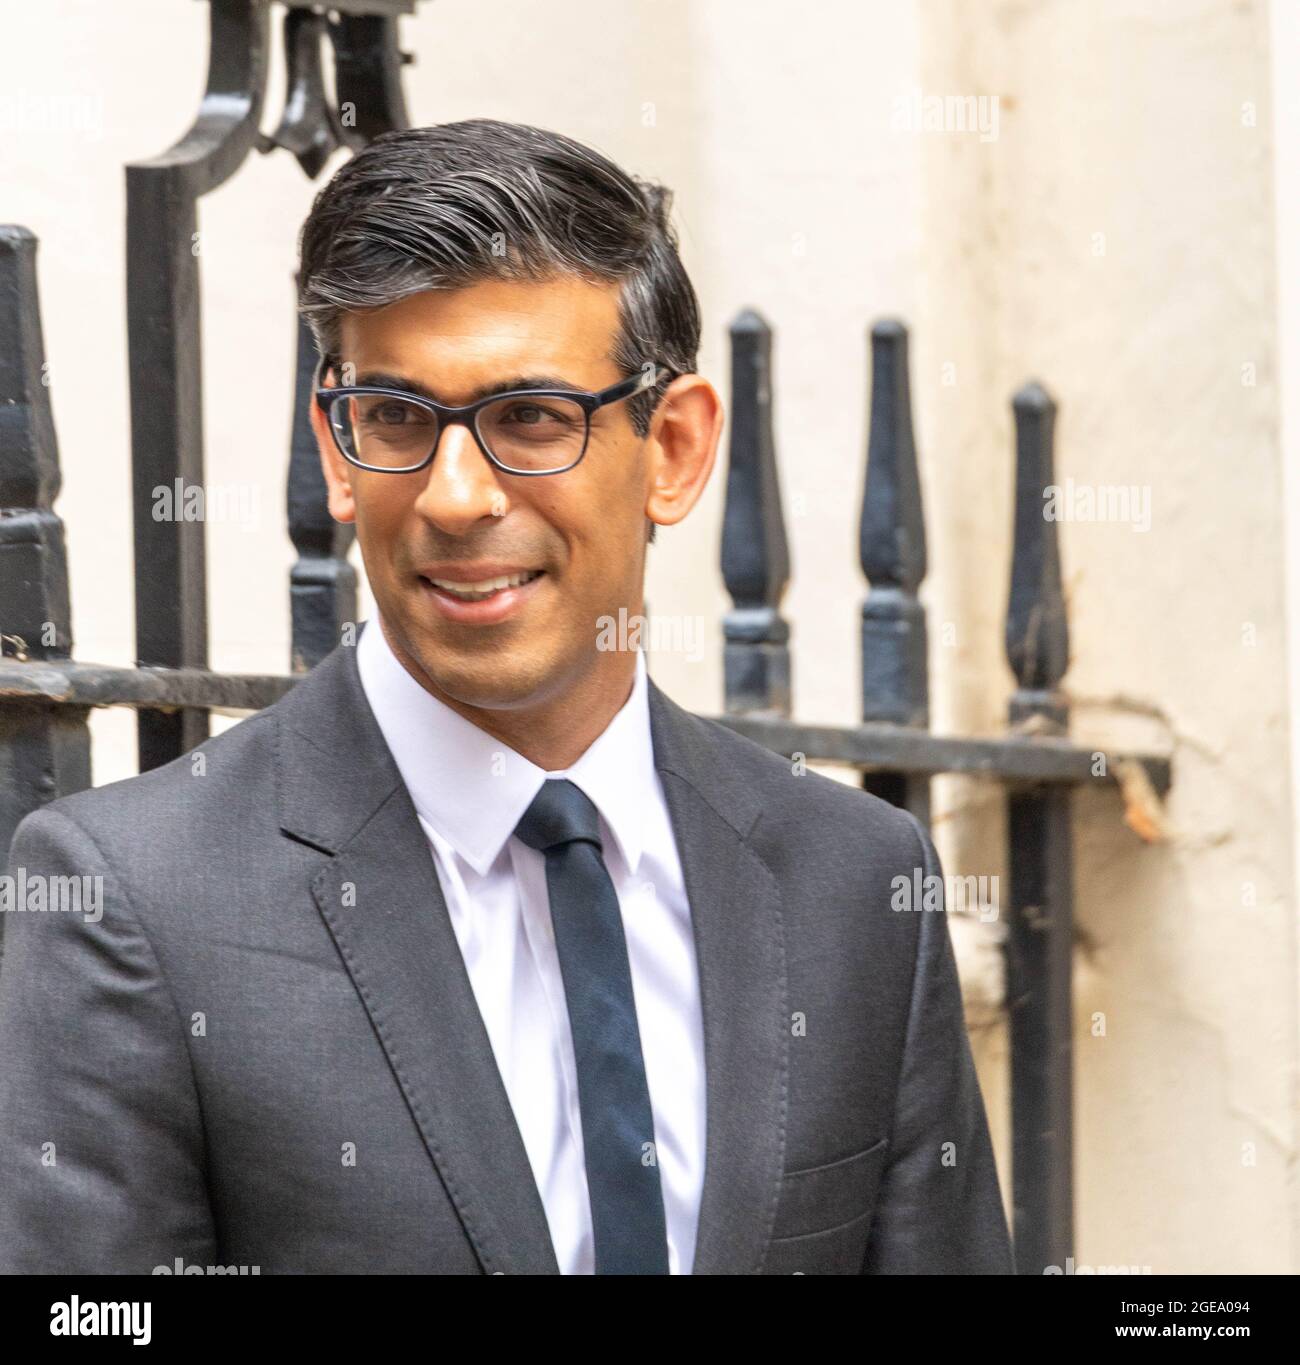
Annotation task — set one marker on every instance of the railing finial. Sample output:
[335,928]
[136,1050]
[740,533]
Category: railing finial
[1037,633]
[755,557]
[322,583]
[891,543]
[43,754]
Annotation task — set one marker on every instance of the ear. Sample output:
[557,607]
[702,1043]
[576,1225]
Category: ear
[337,471]
[682,444]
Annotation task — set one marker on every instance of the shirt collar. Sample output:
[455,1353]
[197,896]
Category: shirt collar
[473,789]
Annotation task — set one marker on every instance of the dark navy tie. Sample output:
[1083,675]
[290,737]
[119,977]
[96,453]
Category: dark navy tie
[627,1207]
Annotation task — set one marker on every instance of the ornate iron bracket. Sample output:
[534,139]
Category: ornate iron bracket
[163,314]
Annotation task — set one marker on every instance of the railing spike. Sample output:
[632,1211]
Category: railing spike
[891,541]
[1037,633]
[755,557]
[322,584]
[1039,946]
[43,754]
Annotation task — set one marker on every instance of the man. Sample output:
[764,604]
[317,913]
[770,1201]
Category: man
[476,953]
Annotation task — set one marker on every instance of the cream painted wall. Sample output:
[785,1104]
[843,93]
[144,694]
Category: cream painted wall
[798,193]
[1284,40]
[1117,242]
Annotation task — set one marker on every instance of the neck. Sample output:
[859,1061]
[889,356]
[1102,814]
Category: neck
[556,732]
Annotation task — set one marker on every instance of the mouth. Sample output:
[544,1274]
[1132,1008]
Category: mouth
[481,601]
[485,588]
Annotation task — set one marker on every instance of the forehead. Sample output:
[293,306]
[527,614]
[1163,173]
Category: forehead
[459,338]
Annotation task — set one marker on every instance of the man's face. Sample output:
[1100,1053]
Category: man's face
[582,532]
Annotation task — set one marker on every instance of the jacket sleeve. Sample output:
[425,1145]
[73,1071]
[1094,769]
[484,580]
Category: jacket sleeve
[939,1210]
[101,1141]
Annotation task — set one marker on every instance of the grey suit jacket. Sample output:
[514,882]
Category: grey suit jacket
[267,1053]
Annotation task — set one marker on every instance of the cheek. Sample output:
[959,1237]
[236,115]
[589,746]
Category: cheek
[382,506]
[383,500]
[594,521]
[612,496]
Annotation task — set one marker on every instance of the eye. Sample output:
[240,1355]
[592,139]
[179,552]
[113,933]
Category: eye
[530,413]
[393,413]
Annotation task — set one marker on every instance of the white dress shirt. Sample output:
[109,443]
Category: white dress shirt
[470,791]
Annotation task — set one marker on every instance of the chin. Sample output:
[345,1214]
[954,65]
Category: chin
[489,679]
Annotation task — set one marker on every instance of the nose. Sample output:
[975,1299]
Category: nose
[462,486]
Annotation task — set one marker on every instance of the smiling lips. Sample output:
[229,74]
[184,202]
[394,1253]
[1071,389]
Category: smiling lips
[479,594]
[484,588]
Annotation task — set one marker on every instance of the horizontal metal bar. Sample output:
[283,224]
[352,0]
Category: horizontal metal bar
[381,7]
[871,748]
[152,689]
[901,749]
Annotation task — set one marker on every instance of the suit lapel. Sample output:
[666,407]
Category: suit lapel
[381,900]
[736,917]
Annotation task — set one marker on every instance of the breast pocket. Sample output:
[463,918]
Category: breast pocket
[824,1214]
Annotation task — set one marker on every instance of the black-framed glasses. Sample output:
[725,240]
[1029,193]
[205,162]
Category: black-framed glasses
[524,431]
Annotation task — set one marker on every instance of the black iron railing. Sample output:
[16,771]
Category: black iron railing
[45,695]
[1035,760]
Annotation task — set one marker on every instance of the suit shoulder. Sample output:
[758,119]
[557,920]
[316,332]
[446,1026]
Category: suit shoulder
[176,797]
[801,801]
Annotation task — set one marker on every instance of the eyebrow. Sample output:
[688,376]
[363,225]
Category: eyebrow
[384,379]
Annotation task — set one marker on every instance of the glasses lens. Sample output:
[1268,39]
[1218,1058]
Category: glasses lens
[392,433]
[533,434]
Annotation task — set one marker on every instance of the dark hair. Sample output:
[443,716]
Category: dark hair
[456,203]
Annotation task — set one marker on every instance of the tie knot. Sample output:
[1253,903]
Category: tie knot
[560,814]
